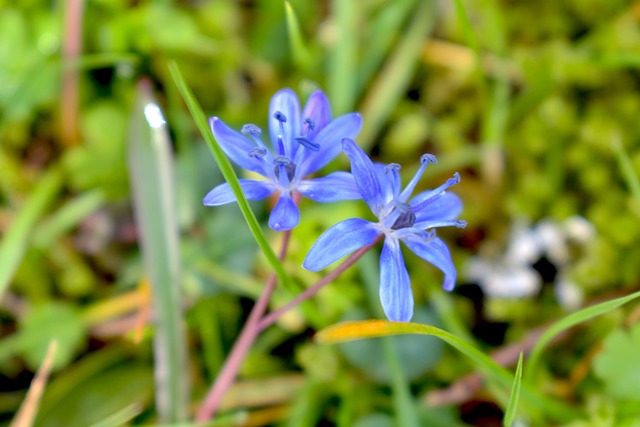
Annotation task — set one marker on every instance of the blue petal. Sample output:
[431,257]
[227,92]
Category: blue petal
[341,239]
[329,139]
[445,207]
[389,181]
[318,110]
[331,188]
[365,175]
[286,102]
[253,190]
[236,146]
[435,251]
[395,286]
[285,215]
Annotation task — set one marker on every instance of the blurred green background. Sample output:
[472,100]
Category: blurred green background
[535,103]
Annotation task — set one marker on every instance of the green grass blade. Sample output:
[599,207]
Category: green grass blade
[567,322]
[16,240]
[347,331]
[396,74]
[342,72]
[626,167]
[381,33]
[121,417]
[472,41]
[510,414]
[68,217]
[229,175]
[152,178]
[299,52]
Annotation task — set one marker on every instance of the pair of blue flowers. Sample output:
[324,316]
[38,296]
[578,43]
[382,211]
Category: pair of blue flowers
[304,143]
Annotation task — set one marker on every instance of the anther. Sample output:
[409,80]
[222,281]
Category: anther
[392,167]
[280,117]
[306,143]
[310,122]
[251,129]
[258,152]
[428,158]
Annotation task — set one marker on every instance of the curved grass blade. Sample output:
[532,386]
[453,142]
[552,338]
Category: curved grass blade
[152,178]
[567,322]
[347,331]
[299,52]
[229,175]
[510,414]
[16,240]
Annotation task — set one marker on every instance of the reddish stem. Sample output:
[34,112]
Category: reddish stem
[311,291]
[249,333]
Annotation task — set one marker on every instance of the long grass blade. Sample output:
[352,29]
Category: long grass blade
[347,331]
[16,240]
[342,59]
[565,323]
[395,76]
[299,52]
[152,178]
[510,414]
[229,175]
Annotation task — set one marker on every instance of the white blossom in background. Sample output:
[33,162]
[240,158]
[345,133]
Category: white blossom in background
[510,274]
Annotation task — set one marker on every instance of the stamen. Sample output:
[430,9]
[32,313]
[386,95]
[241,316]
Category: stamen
[306,143]
[428,158]
[310,122]
[251,129]
[392,167]
[422,200]
[280,145]
[258,152]
[280,117]
[425,159]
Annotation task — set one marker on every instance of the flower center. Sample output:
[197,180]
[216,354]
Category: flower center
[405,220]
[284,164]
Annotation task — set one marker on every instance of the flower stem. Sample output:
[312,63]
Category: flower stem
[274,315]
[249,333]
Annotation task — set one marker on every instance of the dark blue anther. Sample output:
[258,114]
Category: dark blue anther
[280,117]
[306,143]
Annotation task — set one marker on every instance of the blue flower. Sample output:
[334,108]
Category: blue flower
[302,144]
[399,219]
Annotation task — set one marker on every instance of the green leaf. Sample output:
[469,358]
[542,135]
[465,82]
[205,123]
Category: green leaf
[342,72]
[229,175]
[16,239]
[573,319]
[347,331]
[152,177]
[51,321]
[617,364]
[299,51]
[510,414]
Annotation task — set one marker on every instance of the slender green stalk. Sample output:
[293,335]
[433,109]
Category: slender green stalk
[510,414]
[229,175]
[16,240]
[394,77]
[152,178]
[567,322]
